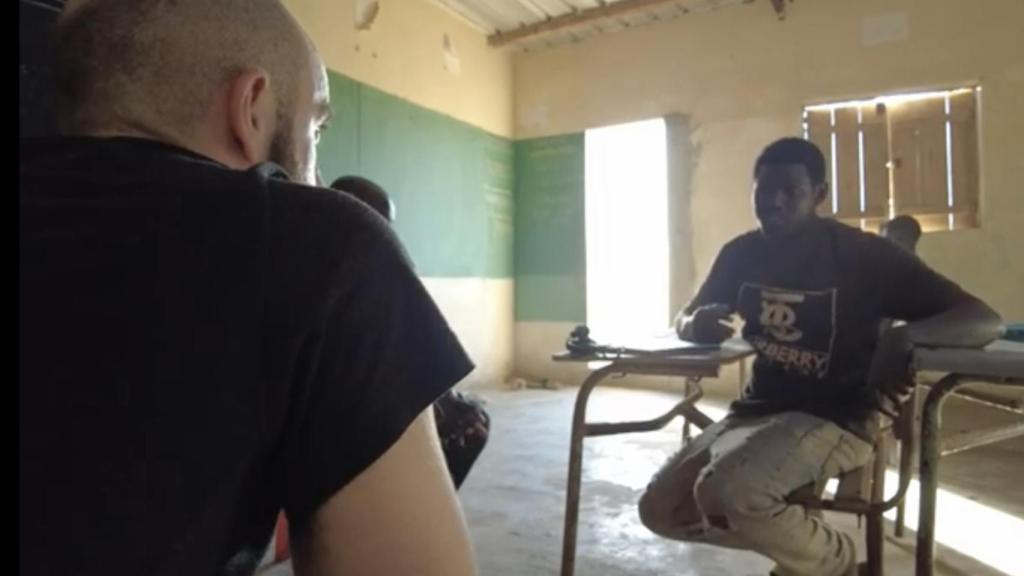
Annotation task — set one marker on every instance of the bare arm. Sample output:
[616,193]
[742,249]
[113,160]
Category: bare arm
[969,324]
[938,312]
[400,516]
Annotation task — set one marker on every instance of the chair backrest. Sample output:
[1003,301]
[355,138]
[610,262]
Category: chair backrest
[904,426]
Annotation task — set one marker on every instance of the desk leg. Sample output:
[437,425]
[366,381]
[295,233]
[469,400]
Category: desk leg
[901,518]
[688,386]
[743,377]
[931,445]
[686,421]
[572,492]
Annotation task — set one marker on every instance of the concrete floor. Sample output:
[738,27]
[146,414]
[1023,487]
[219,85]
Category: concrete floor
[514,498]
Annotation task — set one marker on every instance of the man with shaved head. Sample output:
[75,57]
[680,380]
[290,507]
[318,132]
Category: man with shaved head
[237,79]
[205,338]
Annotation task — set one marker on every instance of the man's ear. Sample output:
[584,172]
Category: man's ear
[820,192]
[251,115]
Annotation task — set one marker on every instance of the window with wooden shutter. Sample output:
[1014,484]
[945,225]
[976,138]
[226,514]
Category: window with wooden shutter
[913,154]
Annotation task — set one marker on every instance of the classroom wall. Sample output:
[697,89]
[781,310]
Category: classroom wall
[435,131]
[741,77]
[402,54]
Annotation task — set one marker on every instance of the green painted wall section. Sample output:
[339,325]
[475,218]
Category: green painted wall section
[469,203]
[452,183]
[550,239]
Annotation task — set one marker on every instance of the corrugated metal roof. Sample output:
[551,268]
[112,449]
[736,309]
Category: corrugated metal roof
[535,24]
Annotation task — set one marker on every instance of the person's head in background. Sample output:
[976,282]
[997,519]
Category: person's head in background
[237,81]
[369,192]
[904,231]
[789,184]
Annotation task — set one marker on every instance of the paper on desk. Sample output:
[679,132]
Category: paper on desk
[1005,346]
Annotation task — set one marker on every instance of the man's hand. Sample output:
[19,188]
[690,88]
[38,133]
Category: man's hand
[891,373]
[706,325]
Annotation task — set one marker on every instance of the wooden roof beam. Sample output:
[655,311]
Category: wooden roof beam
[570,19]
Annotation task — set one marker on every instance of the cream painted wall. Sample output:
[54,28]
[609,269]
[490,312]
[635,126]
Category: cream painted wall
[402,54]
[535,342]
[479,311]
[742,76]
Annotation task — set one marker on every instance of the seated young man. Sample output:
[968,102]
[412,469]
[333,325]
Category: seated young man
[904,231]
[811,293]
[204,337]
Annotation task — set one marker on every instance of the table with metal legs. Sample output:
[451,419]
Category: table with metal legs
[692,366]
[1002,364]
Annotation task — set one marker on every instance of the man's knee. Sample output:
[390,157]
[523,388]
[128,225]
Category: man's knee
[656,512]
[668,504]
[669,511]
[732,500]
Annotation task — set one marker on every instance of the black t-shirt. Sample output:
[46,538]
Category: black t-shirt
[199,348]
[36,19]
[812,312]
